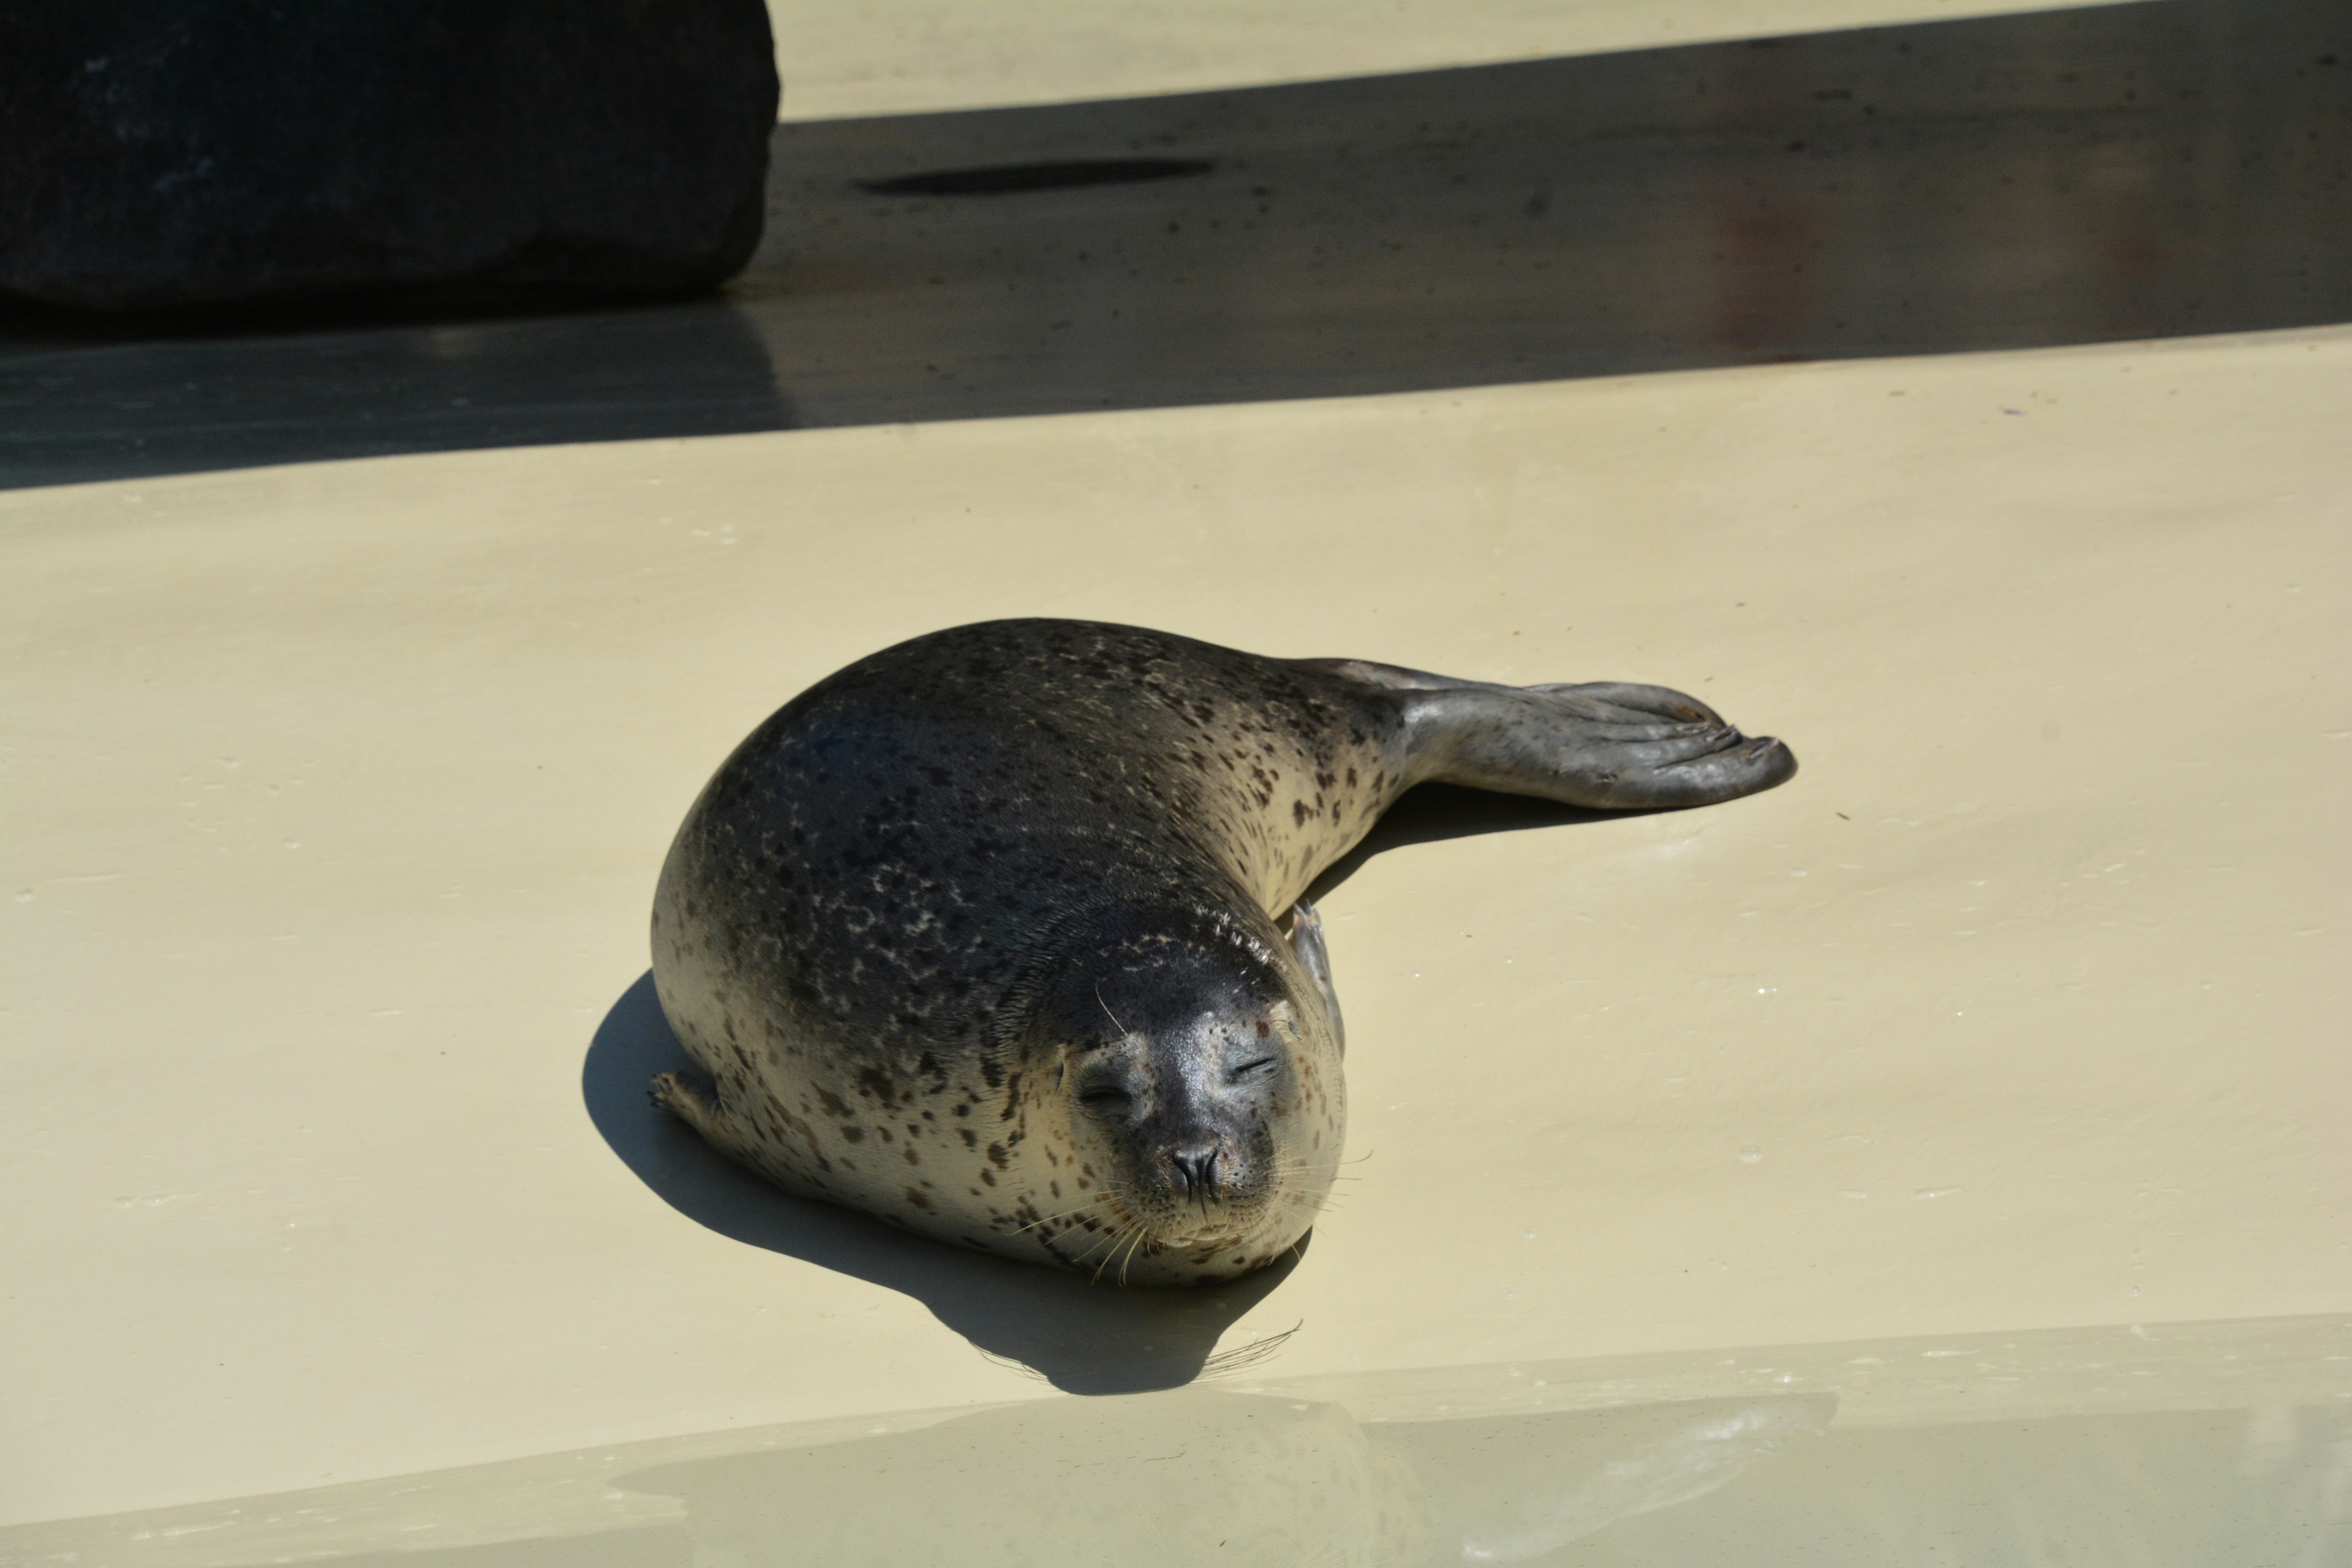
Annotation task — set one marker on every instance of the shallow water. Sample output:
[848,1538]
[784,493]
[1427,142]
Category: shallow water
[2222,1444]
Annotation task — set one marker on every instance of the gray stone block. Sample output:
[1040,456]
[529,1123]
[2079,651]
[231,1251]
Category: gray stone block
[174,152]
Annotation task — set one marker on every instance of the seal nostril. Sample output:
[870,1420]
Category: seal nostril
[1197,1169]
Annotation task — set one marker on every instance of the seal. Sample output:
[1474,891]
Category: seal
[996,934]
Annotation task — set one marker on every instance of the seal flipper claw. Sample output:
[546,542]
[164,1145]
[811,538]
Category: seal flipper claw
[1755,762]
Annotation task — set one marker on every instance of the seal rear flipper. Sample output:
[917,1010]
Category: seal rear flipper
[1607,745]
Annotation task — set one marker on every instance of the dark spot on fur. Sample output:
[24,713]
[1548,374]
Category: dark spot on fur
[855,1134]
[919,1199]
[998,1157]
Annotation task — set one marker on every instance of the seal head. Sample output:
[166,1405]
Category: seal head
[1194,1080]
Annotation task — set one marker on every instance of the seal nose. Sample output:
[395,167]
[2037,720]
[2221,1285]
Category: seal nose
[1196,1167]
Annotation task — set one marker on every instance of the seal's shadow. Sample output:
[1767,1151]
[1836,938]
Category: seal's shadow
[1432,812]
[1083,1337]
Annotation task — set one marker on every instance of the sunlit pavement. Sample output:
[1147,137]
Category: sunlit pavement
[1988,448]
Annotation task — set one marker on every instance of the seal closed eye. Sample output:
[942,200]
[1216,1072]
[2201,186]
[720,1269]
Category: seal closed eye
[980,934]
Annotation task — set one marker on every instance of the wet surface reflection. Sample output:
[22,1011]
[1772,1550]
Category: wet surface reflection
[2112,172]
[2187,1445]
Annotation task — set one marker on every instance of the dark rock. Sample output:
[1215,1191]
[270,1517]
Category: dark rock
[163,152]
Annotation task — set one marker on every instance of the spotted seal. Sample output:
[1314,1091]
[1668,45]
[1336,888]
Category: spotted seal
[983,934]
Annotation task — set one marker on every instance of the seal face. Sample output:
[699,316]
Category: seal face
[979,934]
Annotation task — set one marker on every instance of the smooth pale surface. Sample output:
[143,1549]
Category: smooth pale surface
[2214,1443]
[334,798]
[897,56]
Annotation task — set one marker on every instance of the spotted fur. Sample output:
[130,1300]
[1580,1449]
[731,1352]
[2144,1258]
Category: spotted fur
[934,898]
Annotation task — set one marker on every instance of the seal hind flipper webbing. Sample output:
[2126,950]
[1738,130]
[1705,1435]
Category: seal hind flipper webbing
[1603,745]
[1607,745]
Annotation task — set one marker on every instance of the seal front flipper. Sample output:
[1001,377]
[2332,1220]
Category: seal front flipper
[1605,744]
[708,1115]
[1307,940]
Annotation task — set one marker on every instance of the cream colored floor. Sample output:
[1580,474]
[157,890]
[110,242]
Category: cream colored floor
[335,795]
[2116,1448]
[843,57]
[332,795]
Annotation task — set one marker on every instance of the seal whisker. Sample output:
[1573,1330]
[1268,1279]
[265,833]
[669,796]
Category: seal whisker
[1132,1247]
[1049,1219]
[1122,1261]
[1115,1023]
[1122,1222]
[1108,1238]
[1112,1241]
[1306,1167]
